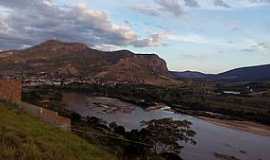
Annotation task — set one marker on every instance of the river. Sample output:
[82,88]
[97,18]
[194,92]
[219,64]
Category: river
[211,138]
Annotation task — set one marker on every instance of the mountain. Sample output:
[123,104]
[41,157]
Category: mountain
[189,75]
[68,60]
[252,73]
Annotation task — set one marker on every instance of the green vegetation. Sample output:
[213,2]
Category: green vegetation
[158,140]
[196,98]
[23,137]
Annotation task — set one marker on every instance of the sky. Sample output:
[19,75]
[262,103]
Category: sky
[210,36]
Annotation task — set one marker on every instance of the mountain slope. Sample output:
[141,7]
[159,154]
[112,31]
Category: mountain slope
[66,60]
[253,73]
[189,75]
[24,137]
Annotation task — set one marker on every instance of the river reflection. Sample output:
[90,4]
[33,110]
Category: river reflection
[210,138]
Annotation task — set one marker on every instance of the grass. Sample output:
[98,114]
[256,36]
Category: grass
[23,137]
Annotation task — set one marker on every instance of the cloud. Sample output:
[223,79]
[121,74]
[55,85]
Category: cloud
[252,46]
[160,7]
[154,40]
[199,57]
[260,46]
[147,10]
[179,7]
[191,3]
[263,45]
[3,25]
[170,6]
[221,3]
[233,25]
[225,4]
[107,47]
[240,3]
[259,1]
[190,38]
[29,22]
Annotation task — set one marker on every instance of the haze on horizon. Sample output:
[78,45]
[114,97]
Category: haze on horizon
[211,36]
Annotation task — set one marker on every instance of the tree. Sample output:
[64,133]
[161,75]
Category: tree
[164,135]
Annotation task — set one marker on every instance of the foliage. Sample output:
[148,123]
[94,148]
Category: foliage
[196,97]
[158,137]
[165,134]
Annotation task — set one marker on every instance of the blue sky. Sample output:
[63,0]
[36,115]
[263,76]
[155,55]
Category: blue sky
[211,36]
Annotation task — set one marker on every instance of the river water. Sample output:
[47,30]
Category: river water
[210,137]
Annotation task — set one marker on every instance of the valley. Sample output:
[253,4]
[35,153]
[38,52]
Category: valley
[134,80]
[111,99]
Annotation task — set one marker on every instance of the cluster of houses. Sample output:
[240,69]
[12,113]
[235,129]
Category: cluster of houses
[44,78]
[243,91]
[58,79]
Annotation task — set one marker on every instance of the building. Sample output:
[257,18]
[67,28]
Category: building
[11,90]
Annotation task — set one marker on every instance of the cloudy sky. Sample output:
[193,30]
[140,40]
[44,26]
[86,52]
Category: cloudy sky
[204,35]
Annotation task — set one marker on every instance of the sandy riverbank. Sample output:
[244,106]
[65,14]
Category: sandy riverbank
[246,126]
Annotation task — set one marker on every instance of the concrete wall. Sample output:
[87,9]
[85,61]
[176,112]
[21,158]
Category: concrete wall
[10,90]
[47,116]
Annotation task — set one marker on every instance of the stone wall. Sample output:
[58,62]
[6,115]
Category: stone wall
[10,90]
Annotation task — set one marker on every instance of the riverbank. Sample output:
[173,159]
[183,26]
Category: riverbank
[106,105]
[211,138]
[246,126]
[183,100]
[223,139]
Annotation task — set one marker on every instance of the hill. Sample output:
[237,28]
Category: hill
[68,60]
[252,73]
[24,137]
[189,75]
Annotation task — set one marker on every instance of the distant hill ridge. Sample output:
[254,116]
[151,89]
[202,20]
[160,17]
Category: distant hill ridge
[189,74]
[251,73]
[67,60]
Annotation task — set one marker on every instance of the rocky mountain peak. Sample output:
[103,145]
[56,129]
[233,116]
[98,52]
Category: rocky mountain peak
[59,46]
[73,60]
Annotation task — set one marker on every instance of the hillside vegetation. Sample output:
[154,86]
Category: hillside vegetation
[23,137]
